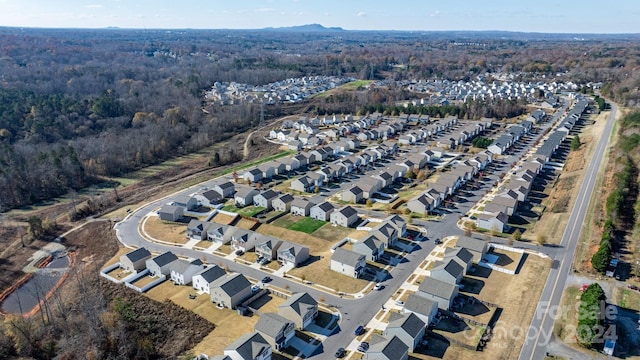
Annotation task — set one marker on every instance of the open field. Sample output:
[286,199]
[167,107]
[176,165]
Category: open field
[626,298]
[332,233]
[319,272]
[307,225]
[507,259]
[248,211]
[165,231]
[223,218]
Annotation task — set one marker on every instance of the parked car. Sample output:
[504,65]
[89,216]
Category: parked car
[359,330]
[363,347]
[266,279]
[378,286]
[239,252]
[399,302]
[341,352]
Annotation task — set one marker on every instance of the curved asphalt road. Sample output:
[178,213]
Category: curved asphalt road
[540,333]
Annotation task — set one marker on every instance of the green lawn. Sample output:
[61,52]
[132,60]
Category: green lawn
[249,211]
[307,225]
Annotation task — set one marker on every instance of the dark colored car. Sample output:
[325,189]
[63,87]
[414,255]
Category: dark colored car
[359,330]
[341,353]
[363,347]
[266,279]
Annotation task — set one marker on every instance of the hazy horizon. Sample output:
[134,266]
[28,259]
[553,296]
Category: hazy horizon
[543,16]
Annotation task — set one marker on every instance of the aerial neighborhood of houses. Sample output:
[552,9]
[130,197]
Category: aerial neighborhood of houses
[351,196]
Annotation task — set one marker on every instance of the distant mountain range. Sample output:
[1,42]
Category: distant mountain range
[305,28]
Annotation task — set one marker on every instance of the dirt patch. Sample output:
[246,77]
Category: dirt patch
[224,219]
[166,231]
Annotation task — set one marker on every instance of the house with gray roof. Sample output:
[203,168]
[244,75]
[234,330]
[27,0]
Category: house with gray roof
[250,346]
[385,232]
[244,240]
[322,211]
[301,206]
[197,229]
[225,189]
[398,222]
[171,213]
[385,348]
[244,196]
[421,204]
[301,308]
[448,271]
[160,265]
[202,280]
[346,216]
[276,329]
[461,255]
[442,292]
[268,247]
[219,233]
[503,204]
[230,290]
[135,260]
[370,247]
[292,254]
[426,309]
[186,202]
[282,203]
[477,247]
[493,221]
[265,199]
[208,198]
[182,271]
[409,328]
[303,184]
[353,195]
[348,262]
[253,175]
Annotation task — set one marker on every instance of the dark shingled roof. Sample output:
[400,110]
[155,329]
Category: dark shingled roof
[138,254]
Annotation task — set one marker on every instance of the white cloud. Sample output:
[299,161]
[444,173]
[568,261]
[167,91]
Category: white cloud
[265,9]
[361,14]
[93,6]
[434,14]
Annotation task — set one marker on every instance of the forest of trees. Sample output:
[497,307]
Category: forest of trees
[76,105]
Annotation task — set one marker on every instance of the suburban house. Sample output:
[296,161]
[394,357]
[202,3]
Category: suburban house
[322,211]
[225,189]
[244,196]
[398,222]
[345,216]
[426,309]
[249,347]
[197,229]
[303,184]
[301,308]
[253,175]
[267,170]
[448,270]
[348,262]
[292,253]
[421,204]
[186,202]
[477,247]
[370,247]
[383,348]
[182,271]
[230,290]
[208,198]
[170,213]
[385,232]
[242,239]
[160,265]
[268,247]
[409,328]
[202,280]
[440,291]
[265,199]
[461,255]
[135,260]
[276,329]
[283,203]
[301,207]
[219,233]
[506,204]
[493,221]
[353,195]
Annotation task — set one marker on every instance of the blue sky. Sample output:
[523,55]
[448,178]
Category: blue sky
[564,16]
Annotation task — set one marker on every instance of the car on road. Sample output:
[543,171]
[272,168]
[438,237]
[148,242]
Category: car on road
[363,347]
[266,279]
[341,352]
[359,330]
[378,286]
[437,241]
